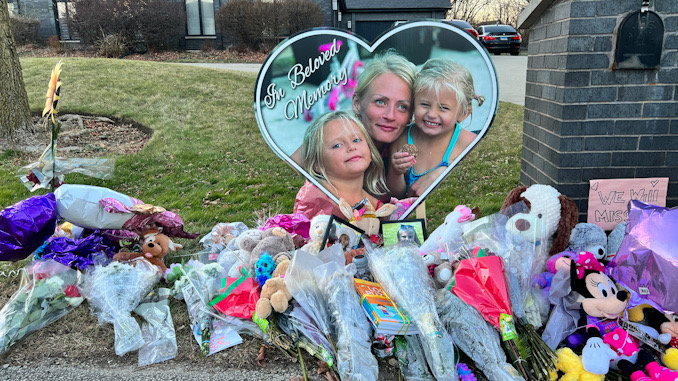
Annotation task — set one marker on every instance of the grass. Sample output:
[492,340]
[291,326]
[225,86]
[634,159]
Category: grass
[208,162]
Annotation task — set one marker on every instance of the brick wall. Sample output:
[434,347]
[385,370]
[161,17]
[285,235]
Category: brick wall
[584,120]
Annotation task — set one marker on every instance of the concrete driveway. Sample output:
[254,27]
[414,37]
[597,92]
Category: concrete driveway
[511,72]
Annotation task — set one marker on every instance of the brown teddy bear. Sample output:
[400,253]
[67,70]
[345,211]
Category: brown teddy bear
[274,241]
[155,246]
[274,293]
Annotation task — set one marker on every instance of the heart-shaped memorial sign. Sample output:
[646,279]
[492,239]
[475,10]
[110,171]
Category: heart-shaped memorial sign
[317,72]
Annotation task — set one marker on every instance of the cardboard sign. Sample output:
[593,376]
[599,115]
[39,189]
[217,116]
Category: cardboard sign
[317,71]
[608,199]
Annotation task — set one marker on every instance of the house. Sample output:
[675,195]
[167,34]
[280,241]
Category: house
[367,18]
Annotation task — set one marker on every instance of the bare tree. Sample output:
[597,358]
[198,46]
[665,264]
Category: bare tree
[15,113]
[505,11]
[469,10]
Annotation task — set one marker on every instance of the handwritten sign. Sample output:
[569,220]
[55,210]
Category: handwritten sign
[608,199]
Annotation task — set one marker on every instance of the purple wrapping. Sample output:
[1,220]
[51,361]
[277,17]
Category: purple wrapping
[647,261]
[293,223]
[26,225]
[171,223]
[77,253]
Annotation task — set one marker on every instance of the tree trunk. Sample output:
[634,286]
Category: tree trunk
[15,113]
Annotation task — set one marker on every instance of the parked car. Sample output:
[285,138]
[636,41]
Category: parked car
[500,39]
[465,26]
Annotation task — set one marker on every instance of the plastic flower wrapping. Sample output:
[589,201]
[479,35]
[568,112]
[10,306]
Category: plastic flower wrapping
[401,271]
[301,283]
[197,283]
[474,336]
[113,291]
[160,341]
[48,291]
[349,323]
[520,256]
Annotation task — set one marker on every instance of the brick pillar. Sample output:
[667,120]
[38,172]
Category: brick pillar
[585,120]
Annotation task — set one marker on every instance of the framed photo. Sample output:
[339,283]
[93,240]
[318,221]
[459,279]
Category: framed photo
[406,230]
[342,232]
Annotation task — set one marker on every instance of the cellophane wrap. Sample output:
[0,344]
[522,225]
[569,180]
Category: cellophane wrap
[113,291]
[411,360]
[25,225]
[522,259]
[474,336]
[48,291]
[401,272]
[647,260]
[198,285]
[350,326]
[160,340]
[301,283]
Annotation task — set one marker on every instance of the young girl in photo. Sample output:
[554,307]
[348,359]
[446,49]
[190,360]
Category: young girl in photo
[338,153]
[443,96]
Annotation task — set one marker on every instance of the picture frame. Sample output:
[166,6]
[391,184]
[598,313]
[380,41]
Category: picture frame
[389,231]
[354,233]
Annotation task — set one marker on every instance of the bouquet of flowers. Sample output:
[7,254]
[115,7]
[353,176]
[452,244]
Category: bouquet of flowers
[349,323]
[47,292]
[114,291]
[194,283]
[401,271]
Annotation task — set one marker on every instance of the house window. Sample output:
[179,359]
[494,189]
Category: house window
[200,17]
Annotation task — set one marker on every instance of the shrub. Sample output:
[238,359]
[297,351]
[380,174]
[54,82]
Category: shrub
[160,24]
[302,15]
[261,25]
[25,29]
[112,46]
[163,24]
[54,44]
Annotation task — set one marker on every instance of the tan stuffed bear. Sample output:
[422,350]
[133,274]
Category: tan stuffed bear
[366,218]
[274,293]
[156,245]
[319,226]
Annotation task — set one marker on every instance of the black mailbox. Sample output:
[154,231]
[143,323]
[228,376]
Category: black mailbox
[639,41]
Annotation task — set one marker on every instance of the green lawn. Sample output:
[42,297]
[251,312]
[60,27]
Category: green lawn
[207,160]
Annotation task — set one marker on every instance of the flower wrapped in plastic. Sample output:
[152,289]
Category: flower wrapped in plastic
[350,326]
[114,291]
[197,283]
[474,336]
[401,271]
[48,291]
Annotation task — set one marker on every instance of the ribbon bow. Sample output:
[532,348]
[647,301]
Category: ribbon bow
[587,261]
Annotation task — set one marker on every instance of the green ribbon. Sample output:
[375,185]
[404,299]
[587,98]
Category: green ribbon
[227,291]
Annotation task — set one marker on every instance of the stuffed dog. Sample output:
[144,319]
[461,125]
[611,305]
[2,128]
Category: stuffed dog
[551,218]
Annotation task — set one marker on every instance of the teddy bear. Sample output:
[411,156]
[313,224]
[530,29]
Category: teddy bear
[364,216]
[277,242]
[236,257]
[614,240]
[550,219]
[154,248]
[316,232]
[274,293]
[589,237]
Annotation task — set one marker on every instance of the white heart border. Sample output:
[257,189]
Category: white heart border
[494,100]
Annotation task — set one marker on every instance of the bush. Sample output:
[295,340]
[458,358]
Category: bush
[160,24]
[260,25]
[25,29]
[163,24]
[112,46]
[54,44]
